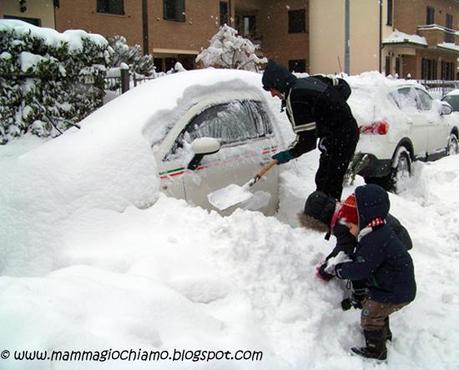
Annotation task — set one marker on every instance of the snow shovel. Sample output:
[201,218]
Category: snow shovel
[234,194]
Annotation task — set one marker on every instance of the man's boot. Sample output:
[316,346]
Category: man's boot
[376,345]
[387,331]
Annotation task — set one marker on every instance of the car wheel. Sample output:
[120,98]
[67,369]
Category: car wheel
[401,169]
[453,146]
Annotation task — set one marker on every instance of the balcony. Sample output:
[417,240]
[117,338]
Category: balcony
[436,34]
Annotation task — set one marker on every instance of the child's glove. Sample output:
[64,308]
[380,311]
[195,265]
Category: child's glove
[282,157]
[344,238]
[322,274]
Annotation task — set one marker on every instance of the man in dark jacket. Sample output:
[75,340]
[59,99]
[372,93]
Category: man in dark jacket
[316,107]
[383,261]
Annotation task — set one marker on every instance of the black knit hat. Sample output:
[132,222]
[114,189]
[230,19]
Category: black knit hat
[277,77]
[320,206]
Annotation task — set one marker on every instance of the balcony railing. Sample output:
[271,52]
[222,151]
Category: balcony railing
[449,34]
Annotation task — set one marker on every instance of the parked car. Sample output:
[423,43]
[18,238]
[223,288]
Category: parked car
[452,98]
[399,123]
[221,132]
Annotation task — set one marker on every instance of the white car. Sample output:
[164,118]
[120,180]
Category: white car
[229,109]
[399,123]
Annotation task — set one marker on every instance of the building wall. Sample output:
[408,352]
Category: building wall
[410,14]
[84,16]
[327,42]
[277,42]
[202,22]
[39,9]
[326,28]
[364,36]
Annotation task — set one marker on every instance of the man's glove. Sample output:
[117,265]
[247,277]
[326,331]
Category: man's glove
[322,274]
[282,157]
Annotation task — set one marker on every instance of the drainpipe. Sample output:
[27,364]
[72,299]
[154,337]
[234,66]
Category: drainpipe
[145,27]
[380,34]
[347,53]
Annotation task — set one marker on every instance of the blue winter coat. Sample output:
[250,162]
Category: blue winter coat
[380,257]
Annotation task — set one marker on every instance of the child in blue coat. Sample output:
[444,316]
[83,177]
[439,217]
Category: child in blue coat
[382,260]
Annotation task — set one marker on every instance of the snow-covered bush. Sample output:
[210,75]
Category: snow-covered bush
[228,50]
[132,56]
[48,80]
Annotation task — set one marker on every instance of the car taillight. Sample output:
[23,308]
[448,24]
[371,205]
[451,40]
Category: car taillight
[375,128]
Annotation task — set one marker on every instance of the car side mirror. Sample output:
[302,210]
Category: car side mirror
[203,146]
[445,108]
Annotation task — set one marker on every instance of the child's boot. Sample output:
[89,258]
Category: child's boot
[376,345]
[387,331]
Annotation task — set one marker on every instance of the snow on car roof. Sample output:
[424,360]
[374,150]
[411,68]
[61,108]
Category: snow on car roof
[147,108]
[369,98]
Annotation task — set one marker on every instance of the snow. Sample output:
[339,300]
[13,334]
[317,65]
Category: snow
[29,60]
[449,45]
[95,258]
[397,37]
[50,36]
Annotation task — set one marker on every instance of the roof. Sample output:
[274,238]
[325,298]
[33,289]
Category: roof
[398,37]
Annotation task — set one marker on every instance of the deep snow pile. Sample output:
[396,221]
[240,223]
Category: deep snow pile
[86,265]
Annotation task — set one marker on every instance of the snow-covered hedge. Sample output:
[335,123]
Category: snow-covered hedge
[132,56]
[48,80]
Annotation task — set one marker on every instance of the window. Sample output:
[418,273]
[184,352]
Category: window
[450,34]
[233,122]
[174,10]
[224,14]
[297,21]
[449,21]
[110,6]
[428,69]
[453,100]
[425,101]
[430,19]
[397,66]
[297,65]
[447,71]
[405,98]
[389,12]
[387,66]
[248,26]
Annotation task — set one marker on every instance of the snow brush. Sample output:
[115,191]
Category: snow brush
[233,194]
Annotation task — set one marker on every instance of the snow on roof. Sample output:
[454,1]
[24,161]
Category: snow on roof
[398,37]
[52,37]
[449,46]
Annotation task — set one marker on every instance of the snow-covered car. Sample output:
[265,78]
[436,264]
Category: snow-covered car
[208,129]
[399,123]
[452,98]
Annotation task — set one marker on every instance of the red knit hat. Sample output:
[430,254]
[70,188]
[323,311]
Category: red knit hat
[348,210]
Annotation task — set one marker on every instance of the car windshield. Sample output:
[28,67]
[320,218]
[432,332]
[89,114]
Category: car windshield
[453,100]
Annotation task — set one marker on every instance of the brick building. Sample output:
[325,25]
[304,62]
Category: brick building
[415,37]
[435,56]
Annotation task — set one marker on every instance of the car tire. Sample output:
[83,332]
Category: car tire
[401,169]
[453,145]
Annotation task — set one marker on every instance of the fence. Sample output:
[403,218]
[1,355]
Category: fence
[122,83]
[439,88]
